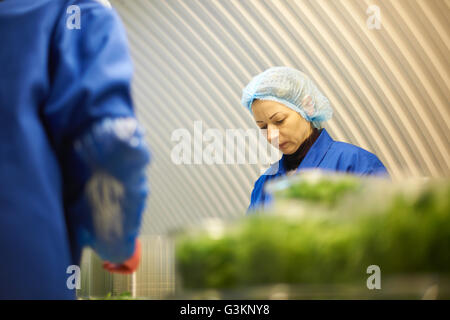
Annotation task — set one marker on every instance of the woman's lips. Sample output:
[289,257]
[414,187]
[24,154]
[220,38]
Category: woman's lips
[283,145]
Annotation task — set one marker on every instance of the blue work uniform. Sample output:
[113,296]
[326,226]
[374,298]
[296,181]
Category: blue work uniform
[325,154]
[57,78]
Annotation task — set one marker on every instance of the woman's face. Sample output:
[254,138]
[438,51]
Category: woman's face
[283,125]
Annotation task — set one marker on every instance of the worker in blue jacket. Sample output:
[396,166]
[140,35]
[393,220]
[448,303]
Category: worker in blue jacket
[72,154]
[290,109]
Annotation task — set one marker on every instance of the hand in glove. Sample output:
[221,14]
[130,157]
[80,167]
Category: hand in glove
[127,267]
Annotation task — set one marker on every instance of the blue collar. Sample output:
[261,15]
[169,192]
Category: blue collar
[314,156]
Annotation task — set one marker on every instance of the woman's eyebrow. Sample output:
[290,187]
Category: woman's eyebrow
[270,117]
[273,115]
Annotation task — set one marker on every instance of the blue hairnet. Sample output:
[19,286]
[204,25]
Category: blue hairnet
[293,89]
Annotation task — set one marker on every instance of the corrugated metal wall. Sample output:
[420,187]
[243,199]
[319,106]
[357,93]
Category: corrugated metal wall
[389,87]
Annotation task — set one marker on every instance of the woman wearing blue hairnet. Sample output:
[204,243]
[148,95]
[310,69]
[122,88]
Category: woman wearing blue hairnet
[287,104]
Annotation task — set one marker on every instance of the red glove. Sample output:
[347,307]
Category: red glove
[127,267]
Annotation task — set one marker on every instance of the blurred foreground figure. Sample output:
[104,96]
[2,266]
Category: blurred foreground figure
[72,155]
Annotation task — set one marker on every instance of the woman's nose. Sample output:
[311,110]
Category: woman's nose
[272,134]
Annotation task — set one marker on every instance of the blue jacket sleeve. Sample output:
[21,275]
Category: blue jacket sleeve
[253,201]
[111,158]
[91,73]
[366,164]
[90,107]
[259,199]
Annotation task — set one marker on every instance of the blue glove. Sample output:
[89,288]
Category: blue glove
[110,161]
